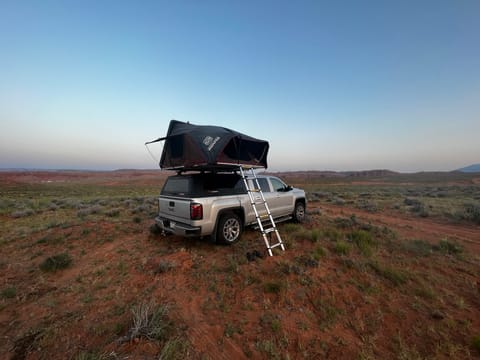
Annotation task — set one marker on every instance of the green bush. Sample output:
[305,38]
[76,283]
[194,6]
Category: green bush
[273,287]
[345,223]
[314,235]
[472,212]
[175,349]
[364,241]
[476,343]
[9,293]
[341,248]
[332,234]
[395,276]
[447,247]
[318,252]
[22,213]
[418,247]
[113,212]
[56,262]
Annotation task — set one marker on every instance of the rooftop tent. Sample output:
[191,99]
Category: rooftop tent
[189,146]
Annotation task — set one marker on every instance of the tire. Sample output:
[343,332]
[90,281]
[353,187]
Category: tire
[299,212]
[229,229]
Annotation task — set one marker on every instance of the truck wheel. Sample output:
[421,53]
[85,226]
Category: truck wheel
[229,228]
[299,212]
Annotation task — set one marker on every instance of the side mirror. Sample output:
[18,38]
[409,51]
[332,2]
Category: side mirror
[288,188]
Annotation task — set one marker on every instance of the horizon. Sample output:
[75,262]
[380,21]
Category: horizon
[261,169]
[332,87]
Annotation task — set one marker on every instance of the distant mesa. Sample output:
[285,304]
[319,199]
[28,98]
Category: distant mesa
[339,174]
[470,169]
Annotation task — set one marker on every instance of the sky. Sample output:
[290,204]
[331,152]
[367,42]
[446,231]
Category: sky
[332,85]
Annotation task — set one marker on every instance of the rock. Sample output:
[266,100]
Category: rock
[437,315]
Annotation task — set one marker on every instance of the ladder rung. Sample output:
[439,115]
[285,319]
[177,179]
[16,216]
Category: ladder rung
[269,230]
[266,216]
[275,245]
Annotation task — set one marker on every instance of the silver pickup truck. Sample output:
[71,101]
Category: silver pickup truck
[218,205]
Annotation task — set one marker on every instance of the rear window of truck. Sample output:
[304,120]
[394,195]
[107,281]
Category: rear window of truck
[176,186]
[202,185]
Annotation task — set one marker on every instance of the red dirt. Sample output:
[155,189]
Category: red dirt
[218,301]
[412,227]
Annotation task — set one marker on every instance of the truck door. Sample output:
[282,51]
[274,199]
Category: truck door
[280,200]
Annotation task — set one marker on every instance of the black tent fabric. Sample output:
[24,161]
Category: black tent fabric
[194,147]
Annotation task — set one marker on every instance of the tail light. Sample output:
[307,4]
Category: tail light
[196,211]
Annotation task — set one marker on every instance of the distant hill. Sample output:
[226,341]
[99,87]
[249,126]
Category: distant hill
[470,169]
[338,174]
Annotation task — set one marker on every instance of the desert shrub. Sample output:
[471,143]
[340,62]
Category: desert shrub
[425,292]
[53,207]
[91,356]
[137,219]
[22,213]
[472,212]
[129,203]
[326,310]
[345,223]
[95,209]
[56,262]
[306,261]
[420,209]
[291,228]
[476,343]
[288,268]
[164,266]
[369,205]
[341,248]
[364,241]
[175,349]
[395,276]
[273,287]
[332,234]
[150,321]
[319,252]
[314,235]
[70,203]
[140,209]
[417,207]
[4,204]
[155,229]
[9,293]
[314,212]
[271,321]
[418,247]
[412,202]
[113,212]
[447,247]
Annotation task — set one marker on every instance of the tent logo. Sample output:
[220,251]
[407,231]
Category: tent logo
[210,142]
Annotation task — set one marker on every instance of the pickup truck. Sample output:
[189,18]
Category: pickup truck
[218,205]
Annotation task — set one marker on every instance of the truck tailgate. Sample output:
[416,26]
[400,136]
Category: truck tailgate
[177,209]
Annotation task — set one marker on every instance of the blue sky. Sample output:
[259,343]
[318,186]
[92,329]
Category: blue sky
[344,85]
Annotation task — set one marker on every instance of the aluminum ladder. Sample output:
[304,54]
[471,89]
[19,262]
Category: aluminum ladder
[271,228]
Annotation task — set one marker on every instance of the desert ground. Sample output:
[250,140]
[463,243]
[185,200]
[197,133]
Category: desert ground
[387,266]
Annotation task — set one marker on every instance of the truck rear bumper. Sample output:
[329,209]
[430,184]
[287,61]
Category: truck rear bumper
[177,228]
